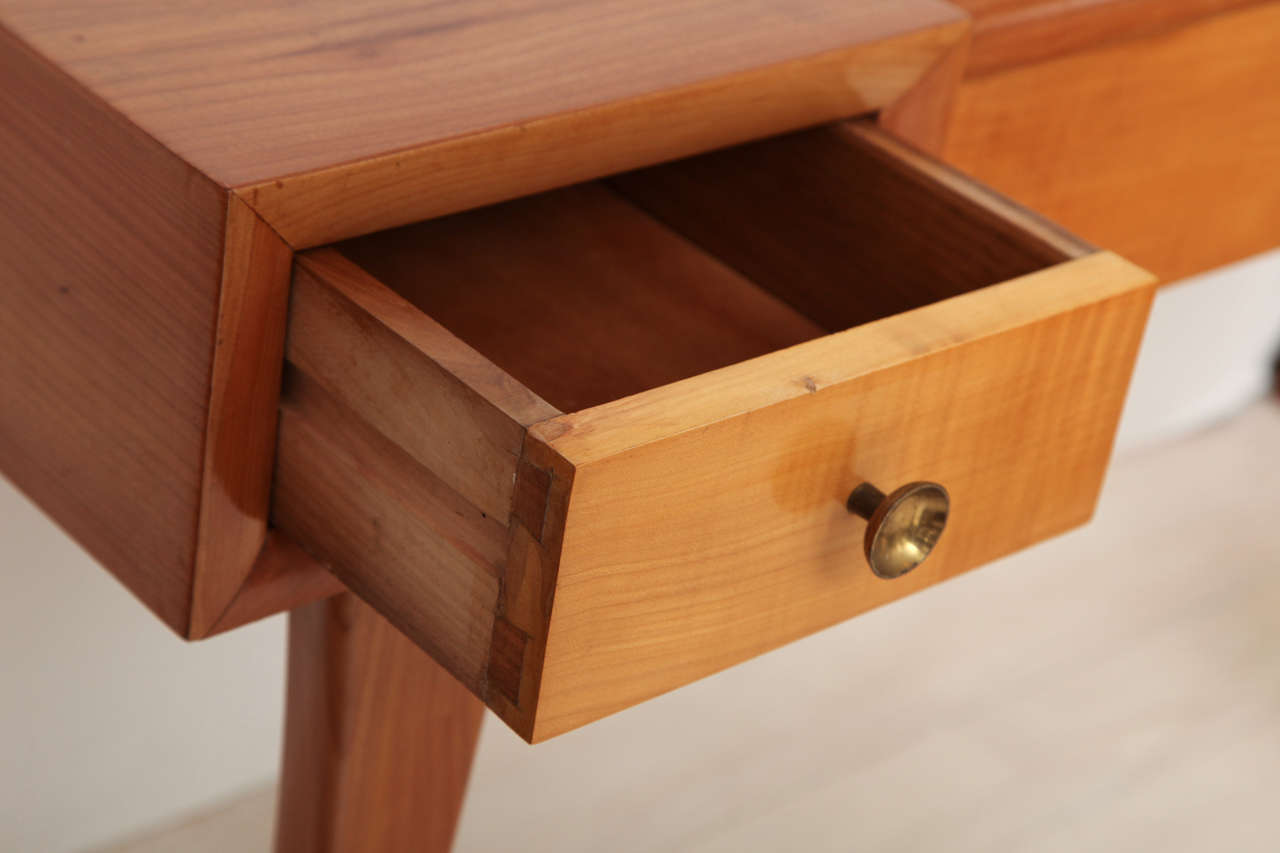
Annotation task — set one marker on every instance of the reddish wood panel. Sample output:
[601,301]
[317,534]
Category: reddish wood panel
[527,156]
[337,81]
[378,738]
[110,260]
[579,265]
[1016,32]
[284,577]
[923,115]
[241,436]
[820,218]
[366,115]
[1165,148]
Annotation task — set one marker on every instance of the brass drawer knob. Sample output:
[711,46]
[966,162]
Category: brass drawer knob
[902,527]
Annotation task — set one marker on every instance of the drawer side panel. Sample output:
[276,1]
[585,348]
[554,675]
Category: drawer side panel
[110,262]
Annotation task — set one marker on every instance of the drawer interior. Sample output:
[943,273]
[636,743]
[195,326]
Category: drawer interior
[579,295]
[595,292]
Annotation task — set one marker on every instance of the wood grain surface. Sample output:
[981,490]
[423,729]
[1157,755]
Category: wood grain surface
[1164,148]
[922,114]
[378,738]
[519,643]
[708,524]
[402,459]
[694,463]
[328,119]
[389,528]
[846,223]
[284,577]
[342,118]
[241,432]
[533,155]
[411,378]
[1017,32]
[337,119]
[110,263]
[395,435]
[580,296]
[401,465]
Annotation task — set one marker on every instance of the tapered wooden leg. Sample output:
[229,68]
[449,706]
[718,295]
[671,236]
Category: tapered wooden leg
[378,738]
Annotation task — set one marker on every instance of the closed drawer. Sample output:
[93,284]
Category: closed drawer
[588,446]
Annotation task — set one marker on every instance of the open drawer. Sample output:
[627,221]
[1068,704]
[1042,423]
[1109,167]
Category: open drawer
[588,446]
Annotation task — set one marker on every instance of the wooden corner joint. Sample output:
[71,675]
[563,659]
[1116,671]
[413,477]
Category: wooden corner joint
[922,114]
[527,584]
[240,431]
[530,497]
[507,660]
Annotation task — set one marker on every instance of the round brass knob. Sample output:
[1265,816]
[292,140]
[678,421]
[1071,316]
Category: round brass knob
[902,527]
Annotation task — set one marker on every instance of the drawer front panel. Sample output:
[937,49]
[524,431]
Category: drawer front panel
[708,519]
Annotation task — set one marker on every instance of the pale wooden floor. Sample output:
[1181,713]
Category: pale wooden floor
[1115,689]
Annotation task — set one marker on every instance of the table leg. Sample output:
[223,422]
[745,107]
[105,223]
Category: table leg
[378,737]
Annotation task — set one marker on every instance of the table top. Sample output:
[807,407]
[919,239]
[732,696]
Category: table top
[252,91]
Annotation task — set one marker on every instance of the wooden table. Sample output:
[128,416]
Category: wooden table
[591,444]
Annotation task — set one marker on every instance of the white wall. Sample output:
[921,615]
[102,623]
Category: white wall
[1209,349]
[109,723]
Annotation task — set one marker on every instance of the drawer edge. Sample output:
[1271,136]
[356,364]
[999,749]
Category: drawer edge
[587,437]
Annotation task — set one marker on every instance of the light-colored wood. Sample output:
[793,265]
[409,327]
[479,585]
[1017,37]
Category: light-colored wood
[110,262]
[381,112]
[241,432]
[1164,148]
[1017,32]
[707,522]
[846,223]
[378,738]
[636,305]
